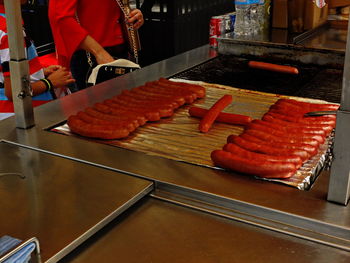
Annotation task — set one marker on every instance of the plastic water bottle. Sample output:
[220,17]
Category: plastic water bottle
[242,24]
[262,13]
[254,17]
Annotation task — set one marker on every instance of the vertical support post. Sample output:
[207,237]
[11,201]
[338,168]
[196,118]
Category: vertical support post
[339,185]
[19,68]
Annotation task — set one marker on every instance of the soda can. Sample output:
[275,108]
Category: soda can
[213,41]
[216,28]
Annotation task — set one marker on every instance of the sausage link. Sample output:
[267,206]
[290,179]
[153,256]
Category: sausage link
[237,150]
[310,106]
[80,127]
[93,120]
[265,169]
[273,67]
[266,149]
[272,138]
[311,150]
[150,115]
[120,113]
[289,135]
[224,117]
[289,128]
[199,90]
[213,113]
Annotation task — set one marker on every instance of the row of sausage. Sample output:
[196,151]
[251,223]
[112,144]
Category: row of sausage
[277,145]
[120,115]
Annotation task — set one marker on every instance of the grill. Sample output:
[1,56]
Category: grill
[313,81]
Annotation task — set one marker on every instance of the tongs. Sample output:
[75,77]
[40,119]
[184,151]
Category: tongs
[320,113]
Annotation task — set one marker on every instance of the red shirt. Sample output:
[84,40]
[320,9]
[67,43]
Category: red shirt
[97,18]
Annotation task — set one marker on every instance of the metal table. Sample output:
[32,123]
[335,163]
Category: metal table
[61,202]
[156,231]
[302,214]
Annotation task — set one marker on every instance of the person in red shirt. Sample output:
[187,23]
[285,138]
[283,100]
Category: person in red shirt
[93,26]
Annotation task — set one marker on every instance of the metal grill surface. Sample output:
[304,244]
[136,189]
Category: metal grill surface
[178,137]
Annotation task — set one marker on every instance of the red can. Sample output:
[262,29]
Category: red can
[216,29]
[213,41]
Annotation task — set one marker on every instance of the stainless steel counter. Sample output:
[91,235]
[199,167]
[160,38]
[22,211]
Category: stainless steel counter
[59,201]
[156,231]
[304,214]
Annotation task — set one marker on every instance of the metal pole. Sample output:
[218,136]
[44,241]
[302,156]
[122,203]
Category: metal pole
[339,185]
[19,68]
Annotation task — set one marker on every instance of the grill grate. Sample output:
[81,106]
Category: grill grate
[312,82]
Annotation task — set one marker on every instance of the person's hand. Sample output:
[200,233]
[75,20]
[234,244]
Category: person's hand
[136,18]
[61,77]
[103,57]
[50,69]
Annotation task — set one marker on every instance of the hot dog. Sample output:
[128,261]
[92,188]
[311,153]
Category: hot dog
[80,127]
[289,128]
[175,88]
[311,150]
[119,113]
[153,94]
[224,117]
[270,118]
[163,111]
[272,138]
[310,106]
[199,90]
[260,168]
[111,118]
[150,99]
[308,121]
[290,135]
[266,149]
[147,100]
[189,96]
[273,67]
[119,124]
[299,114]
[241,152]
[213,113]
[150,115]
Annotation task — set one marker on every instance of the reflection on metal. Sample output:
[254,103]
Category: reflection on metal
[286,52]
[13,174]
[310,33]
[36,259]
[339,185]
[264,217]
[21,90]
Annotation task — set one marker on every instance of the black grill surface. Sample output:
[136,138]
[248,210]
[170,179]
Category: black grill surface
[313,81]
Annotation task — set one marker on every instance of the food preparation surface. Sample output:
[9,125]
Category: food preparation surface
[303,209]
[162,232]
[313,81]
[178,137]
[59,201]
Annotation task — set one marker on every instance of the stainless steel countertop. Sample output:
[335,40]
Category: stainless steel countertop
[156,231]
[308,210]
[58,201]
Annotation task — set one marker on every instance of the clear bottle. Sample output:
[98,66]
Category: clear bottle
[242,24]
[262,14]
[254,17]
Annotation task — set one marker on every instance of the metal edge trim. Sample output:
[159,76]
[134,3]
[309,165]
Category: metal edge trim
[66,250]
[257,224]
